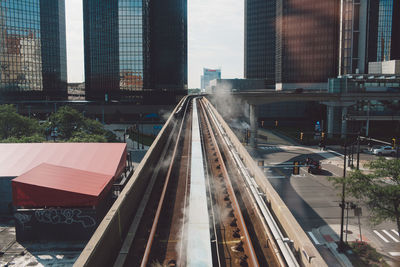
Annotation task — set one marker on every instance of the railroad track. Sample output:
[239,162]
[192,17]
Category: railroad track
[195,210]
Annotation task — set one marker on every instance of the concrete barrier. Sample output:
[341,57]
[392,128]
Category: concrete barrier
[306,252]
[102,249]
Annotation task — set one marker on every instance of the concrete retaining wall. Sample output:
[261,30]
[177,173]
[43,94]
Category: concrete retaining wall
[308,254]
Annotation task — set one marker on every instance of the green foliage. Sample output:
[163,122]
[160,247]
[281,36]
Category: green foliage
[24,139]
[365,255]
[379,190]
[67,120]
[16,126]
[72,126]
[83,137]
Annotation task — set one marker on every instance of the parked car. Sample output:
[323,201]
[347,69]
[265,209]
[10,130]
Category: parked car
[383,150]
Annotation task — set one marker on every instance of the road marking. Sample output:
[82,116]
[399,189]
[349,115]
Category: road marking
[313,238]
[276,177]
[396,254]
[381,236]
[388,234]
[394,231]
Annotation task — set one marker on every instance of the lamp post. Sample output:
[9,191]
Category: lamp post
[341,247]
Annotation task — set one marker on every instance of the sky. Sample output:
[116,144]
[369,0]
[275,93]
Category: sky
[215,39]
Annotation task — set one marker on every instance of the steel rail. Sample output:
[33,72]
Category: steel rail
[149,244]
[284,248]
[211,199]
[180,261]
[236,207]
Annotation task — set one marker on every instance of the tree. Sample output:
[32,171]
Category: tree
[72,126]
[13,125]
[83,137]
[67,120]
[379,190]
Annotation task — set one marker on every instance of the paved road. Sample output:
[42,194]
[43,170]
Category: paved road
[314,201]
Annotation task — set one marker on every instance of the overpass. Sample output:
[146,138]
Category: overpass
[341,100]
[272,96]
[198,199]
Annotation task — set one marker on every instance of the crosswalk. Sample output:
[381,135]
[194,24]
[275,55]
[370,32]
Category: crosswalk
[388,236]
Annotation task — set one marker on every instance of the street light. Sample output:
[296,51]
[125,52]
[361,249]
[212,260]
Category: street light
[342,246]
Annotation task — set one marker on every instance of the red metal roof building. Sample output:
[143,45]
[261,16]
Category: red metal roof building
[61,174]
[62,190]
[105,158]
[53,186]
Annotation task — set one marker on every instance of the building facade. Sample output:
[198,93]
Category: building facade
[135,50]
[369,32]
[259,41]
[388,31]
[32,50]
[208,76]
[307,43]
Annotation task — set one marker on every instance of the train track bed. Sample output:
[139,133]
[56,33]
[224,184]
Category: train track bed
[195,211]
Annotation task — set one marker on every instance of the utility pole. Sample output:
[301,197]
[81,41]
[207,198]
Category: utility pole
[341,247]
[358,151]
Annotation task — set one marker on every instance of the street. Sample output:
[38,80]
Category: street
[314,201]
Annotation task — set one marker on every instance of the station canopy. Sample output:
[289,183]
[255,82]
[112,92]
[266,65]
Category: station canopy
[49,185]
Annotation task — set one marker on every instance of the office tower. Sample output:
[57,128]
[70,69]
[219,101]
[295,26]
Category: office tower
[135,50]
[32,50]
[388,30]
[208,76]
[355,22]
[259,42]
[307,43]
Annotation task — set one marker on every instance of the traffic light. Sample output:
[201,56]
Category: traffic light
[301,136]
[393,143]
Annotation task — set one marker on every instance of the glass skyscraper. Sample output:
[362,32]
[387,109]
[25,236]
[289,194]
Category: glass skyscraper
[32,50]
[388,34]
[307,42]
[135,49]
[208,76]
[259,51]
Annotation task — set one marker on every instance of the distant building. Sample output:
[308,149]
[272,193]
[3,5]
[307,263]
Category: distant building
[386,67]
[76,91]
[209,75]
[259,40]
[307,43]
[33,62]
[135,50]
[235,85]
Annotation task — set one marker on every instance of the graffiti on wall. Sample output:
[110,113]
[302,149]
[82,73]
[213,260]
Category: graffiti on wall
[22,218]
[64,216]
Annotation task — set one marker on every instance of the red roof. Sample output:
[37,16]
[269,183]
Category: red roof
[56,186]
[105,158]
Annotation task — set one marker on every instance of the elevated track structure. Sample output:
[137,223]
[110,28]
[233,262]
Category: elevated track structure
[198,199]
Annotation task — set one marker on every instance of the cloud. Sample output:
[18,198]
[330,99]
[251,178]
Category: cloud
[216,30]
